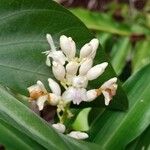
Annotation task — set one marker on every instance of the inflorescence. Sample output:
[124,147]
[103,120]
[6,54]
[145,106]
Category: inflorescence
[73,74]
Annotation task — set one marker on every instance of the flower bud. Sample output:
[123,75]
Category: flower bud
[68,46]
[41,86]
[79,81]
[109,89]
[54,99]
[94,43]
[85,66]
[91,95]
[96,71]
[108,83]
[36,90]
[54,86]
[58,71]
[72,68]
[58,57]
[59,127]
[78,135]
[86,50]
[51,42]
[40,101]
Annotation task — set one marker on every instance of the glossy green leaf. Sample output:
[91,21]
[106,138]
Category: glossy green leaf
[13,139]
[141,142]
[114,130]
[19,116]
[120,53]
[141,55]
[23,27]
[101,22]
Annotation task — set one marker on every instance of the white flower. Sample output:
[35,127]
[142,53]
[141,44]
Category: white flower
[96,71]
[37,90]
[78,135]
[72,68]
[85,51]
[54,86]
[38,93]
[58,71]
[54,99]
[76,95]
[59,127]
[41,101]
[68,46]
[57,56]
[91,95]
[85,66]
[89,49]
[79,81]
[95,44]
[109,89]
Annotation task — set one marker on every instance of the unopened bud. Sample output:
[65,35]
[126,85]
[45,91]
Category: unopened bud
[68,46]
[59,127]
[54,86]
[85,66]
[96,71]
[78,135]
[58,71]
[91,95]
[86,50]
[72,68]
[54,99]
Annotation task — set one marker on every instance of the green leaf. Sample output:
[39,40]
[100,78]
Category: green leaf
[13,139]
[119,54]
[101,22]
[141,142]
[141,55]
[23,27]
[19,116]
[114,130]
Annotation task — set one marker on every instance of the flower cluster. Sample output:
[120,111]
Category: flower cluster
[73,73]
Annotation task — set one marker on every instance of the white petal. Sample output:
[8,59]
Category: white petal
[86,50]
[107,97]
[68,46]
[54,86]
[58,71]
[58,57]
[51,42]
[79,81]
[48,61]
[91,95]
[40,102]
[54,99]
[68,95]
[41,86]
[96,71]
[94,43]
[108,83]
[78,135]
[72,68]
[59,127]
[85,66]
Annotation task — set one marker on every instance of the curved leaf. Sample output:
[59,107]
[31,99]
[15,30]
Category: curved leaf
[114,130]
[101,22]
[23,27]
[19,116]
[13,139]
[119,54]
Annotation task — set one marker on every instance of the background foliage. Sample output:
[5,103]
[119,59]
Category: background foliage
[124,35]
